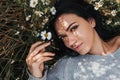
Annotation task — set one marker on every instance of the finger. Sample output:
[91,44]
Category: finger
[45,54]
[30,56]
[38,49]
[42,46]
[34,46]
[28,62]
[43,60]
[42,50]
[40,56]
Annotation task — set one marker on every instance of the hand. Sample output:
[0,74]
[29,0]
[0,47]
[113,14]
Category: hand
[36,58]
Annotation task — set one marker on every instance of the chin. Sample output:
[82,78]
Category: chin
[83,52]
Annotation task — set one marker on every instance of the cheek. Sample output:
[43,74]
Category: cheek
[84,32]
[79,35]
[66,42]
[70,40]
[85,36]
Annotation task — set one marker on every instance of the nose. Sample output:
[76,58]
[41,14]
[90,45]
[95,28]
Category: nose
[71,41]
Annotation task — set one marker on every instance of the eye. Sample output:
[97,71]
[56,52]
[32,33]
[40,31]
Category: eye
[62,36]
[74,28]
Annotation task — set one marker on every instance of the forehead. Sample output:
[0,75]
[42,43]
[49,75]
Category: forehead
[65,20]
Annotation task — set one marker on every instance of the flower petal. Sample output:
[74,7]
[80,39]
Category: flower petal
[49,35]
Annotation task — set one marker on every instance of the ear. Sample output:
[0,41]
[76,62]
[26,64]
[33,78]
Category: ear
[92,22]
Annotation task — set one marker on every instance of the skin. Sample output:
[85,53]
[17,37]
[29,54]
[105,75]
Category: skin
[36,58]
[77,34]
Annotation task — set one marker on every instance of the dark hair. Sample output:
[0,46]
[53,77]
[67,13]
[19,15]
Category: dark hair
[84,10]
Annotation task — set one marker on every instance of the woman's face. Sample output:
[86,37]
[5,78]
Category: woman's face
[76,32]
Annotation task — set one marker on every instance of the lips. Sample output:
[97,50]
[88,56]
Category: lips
[77,47]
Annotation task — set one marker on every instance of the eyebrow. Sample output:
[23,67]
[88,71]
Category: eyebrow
[70,26]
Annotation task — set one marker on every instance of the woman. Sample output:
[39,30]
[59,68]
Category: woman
[78,26]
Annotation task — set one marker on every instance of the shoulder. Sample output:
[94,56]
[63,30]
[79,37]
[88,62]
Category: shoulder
[58,68]
[118,40]
[64,63]
[115,41]
[61,63]
[56,71]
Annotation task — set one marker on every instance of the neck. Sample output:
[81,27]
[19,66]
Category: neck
[101,47]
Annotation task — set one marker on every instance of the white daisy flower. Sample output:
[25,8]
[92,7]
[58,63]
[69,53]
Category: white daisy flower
[98,5]
[46,35]
[37,34]
[109,21]
[46,3]
[17,78]
[53,10]
[38,13]
[17,33]
[113,12]
[43,1]
[45,20]
[33,3]
[22,27]
[117,23]
[28,17]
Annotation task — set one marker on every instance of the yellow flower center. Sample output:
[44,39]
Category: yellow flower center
[34,2]
[97,6]
[46,35]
